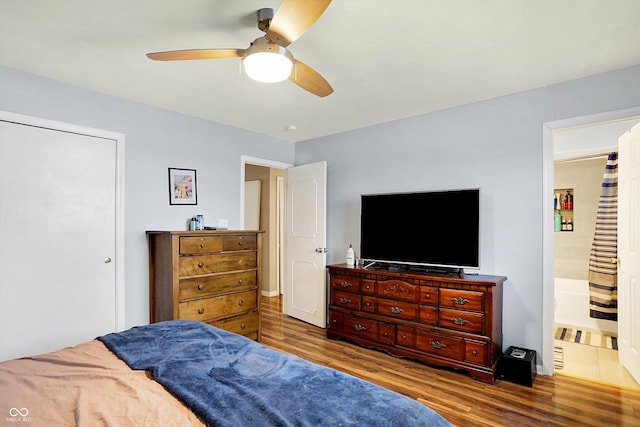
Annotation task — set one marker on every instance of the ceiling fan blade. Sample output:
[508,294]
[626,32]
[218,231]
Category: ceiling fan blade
[293,18]
[180,55]
[309,79]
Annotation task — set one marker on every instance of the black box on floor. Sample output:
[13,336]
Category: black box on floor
[518,365]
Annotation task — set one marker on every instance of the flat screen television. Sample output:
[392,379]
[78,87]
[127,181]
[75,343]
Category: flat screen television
[429,229]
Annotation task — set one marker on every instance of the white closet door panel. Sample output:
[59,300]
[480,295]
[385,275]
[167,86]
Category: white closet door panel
[57,222]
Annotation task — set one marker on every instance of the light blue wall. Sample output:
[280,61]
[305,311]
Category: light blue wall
[495,145]
[155,140]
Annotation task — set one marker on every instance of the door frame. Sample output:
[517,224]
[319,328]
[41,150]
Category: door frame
[119,140]
[548,287]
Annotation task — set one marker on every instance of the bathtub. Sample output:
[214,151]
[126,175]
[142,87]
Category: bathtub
[571,300]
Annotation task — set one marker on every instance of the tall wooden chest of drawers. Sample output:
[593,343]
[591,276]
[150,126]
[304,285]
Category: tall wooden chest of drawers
[211,276]
[443,320]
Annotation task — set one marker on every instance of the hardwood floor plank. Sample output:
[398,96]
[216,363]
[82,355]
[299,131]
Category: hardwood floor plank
[552,401]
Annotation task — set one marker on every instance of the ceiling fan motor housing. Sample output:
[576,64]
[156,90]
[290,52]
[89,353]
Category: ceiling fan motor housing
[265,16]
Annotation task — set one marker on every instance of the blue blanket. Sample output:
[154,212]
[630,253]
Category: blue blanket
[229,380]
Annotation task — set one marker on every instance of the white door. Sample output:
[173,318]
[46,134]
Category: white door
[305,293]
[629,251]
[58,203]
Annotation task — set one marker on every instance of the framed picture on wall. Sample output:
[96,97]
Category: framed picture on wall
[182,187]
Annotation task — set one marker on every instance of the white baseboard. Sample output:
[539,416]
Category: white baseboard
[269,293]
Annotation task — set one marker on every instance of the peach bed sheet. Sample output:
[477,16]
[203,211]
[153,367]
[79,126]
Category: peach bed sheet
[85,385]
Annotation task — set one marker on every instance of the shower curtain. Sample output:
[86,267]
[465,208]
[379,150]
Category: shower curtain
[603,273]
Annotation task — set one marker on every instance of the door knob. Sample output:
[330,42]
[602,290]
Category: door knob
[614,260]
[107,260]
[321,250]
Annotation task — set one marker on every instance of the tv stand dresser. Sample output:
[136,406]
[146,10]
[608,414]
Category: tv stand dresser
[439,319]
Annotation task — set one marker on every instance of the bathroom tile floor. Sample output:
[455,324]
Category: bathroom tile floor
[595,364]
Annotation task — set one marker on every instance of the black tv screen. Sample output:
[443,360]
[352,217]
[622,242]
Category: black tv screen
[431,228]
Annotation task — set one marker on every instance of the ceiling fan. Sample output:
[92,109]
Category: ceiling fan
[267,58]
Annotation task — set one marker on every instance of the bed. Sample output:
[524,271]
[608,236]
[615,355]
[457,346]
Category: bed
[186,373]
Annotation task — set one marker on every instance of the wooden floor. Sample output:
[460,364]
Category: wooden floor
[552,401]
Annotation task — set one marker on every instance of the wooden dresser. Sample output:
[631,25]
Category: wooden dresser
[443,320]
[211,276]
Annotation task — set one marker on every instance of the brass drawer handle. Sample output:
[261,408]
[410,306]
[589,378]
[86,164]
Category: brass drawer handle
[200,264]
[474,353]
[460,300]
[459,321]
[344,300]
[240,243]
[240,281]
[345,284]
[396,310]
[200,287]
[437,344]
[202,245]
[200,310]
[427,296]
[243,325]
[359,328]
[241,303]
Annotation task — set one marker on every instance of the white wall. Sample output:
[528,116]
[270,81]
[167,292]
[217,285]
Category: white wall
[496,145]
[156,139]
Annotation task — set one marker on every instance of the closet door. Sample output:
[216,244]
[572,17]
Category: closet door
[58,204]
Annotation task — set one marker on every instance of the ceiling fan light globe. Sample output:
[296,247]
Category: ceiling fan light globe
[267,67]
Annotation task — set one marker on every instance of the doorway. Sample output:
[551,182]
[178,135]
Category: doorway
[601,127]
[271,175]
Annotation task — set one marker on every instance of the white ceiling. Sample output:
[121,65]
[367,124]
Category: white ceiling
[386,60]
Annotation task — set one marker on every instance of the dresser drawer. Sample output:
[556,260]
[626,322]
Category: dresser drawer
[475,352]
[428,295]
[397,290]
[368,287]
[200,244]
[216,285]
[239,243]
[369,304]
[336,321]
[369,329]
[442,345]
[345,300]
[218,307]
[397,309]
[406,337]
[463,300]
[461,320]
[344,283]
[208,264]
[428,315]
[242,324]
